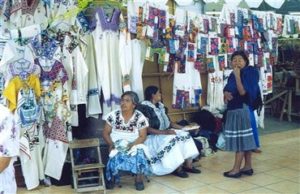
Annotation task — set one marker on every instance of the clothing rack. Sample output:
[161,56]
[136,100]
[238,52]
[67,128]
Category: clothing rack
[113,3]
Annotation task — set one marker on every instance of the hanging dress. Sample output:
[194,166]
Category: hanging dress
[138,58]
[108,66]
[24,13]
[56,104]
[93,107]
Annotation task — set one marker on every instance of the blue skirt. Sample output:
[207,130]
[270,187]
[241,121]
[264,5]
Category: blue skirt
[238,131]
[136,164]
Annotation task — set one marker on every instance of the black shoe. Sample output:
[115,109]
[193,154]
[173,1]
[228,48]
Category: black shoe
[247,172]
[181,174]
[110,184]
[192,170]
[139,186]
[236,175]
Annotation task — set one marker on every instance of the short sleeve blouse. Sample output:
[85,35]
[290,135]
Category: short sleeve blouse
[126,131]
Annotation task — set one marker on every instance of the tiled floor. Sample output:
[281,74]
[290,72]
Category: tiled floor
[277,170]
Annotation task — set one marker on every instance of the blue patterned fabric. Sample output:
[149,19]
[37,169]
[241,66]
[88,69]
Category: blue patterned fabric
[169,147]
[136,164]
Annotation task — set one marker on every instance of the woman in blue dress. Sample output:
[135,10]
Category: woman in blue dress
[240,92]
[125,131]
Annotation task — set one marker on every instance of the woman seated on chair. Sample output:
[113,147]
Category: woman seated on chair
[170,148]
[125,131]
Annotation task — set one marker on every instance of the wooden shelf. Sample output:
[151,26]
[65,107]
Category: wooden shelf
[156,74]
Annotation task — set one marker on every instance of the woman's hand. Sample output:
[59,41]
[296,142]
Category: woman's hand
[237,72]
[130,145]
[110,148]
[227,97]
[170,132]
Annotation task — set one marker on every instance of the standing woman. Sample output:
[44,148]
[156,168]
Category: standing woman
[239,93]
[9,149]
[125,131]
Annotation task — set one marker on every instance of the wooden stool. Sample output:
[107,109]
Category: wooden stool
[287,105]
[79,169]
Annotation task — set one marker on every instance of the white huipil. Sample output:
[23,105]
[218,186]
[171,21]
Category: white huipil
[189,82]
[31,141]
[125,56]
[56,146]
[77,70]
[93,108]
[24,14]
[13,52]
[139,50]
[108,66]
[215,87]
[63,14]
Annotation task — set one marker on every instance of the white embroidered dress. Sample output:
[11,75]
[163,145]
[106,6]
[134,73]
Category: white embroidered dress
[168,152]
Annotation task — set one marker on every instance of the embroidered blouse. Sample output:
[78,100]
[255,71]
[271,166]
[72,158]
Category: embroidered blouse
[27,6]
[46,48]
[126,131]
[9,147]
[13,52]
[57,72]
[13,87]
[22,68]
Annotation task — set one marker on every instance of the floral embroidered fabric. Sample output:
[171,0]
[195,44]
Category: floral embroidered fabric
[56,131]
[22,68]
[28,109]
[46,48]
[84,22]
[26,6]
[169,147]
[2,82]
[9,147]
[118,123]
[137,164]
[57,72]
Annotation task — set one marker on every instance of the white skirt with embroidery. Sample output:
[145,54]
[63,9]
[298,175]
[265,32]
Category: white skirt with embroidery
[169,151]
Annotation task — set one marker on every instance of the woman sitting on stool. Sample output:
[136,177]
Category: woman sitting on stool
[169,148]
[125,131]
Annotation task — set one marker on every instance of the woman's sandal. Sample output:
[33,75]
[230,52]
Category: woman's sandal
[139,186]
[247,172]
[236,175]
[181,174]
[192,170]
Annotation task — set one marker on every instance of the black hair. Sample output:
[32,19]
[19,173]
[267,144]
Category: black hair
[149,91]
[134,97]
[242,54]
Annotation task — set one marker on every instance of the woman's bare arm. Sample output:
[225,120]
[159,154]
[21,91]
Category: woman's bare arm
[4,162]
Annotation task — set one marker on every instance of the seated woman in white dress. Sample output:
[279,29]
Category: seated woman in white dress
[125,131]
[9,149]
[171,150]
